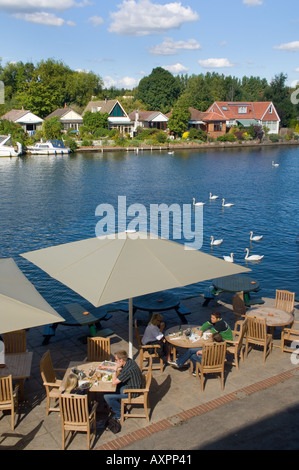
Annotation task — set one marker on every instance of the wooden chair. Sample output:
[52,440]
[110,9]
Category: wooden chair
[235,346]
[98,349]
[50,381]
[142,399]
[15,341]
[9,397]
[256,334]
[212,362]
[239,307]
[146,355]
[285,300]
[288,335]
[75,416]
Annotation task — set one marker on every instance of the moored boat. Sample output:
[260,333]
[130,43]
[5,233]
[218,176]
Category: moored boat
[7,149]
[51,147]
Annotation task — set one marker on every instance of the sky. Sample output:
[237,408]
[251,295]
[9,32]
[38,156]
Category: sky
[123,40]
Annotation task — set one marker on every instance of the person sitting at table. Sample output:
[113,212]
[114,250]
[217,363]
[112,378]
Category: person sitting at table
[129,377]
[194,354]
[154,335]
[72,385]
[217,325]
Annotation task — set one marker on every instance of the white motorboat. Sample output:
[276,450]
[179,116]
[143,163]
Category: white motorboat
[51,147]
[7,149]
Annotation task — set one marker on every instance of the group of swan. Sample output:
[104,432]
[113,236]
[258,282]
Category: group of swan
[212,197]
[230,259]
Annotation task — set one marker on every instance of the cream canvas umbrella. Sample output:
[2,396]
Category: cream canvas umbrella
[122,266]
[21,305]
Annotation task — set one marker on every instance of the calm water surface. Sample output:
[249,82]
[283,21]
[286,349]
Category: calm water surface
[51,200]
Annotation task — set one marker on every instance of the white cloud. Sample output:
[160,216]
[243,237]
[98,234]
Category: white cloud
[252,3]
[29,5]
[175,68]
[171,47]
[143,18]
[290,46]
[118,82]
[96,20]
[215,63]
[48,19]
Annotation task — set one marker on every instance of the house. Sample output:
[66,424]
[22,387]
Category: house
[117,116]
[213,123]
[149,120]
[245,113]
[68,117]
[29,121]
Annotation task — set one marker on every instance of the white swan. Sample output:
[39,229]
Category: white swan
[256,238]
[229,259]
[198,203]
[275,164]
[171,153]
[216,242]
[227,204]
[213,197]
[252,257]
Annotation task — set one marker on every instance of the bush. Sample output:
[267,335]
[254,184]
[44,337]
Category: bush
[161,137]
[197,134]
[274,137]
[227,138]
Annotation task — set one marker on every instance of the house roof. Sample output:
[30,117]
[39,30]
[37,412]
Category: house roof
[146,115]
[259,110]
[203,116]
[105,106]
[61,112]
[21,116]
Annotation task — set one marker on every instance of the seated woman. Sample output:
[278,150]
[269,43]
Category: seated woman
[154,335]
[72,385]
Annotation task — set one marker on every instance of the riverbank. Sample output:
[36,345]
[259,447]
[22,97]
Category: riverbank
[189,146]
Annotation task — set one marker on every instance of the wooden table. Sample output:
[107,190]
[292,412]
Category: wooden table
[19,366]
[172,336]
[97,385]
[274,316]
[236,283]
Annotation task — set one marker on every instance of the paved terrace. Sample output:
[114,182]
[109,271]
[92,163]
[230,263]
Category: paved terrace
[175,396]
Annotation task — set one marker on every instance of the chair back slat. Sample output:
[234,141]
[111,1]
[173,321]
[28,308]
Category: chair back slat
[15,341]
[74,409]
[238,303]
[213,355]
[98,349]
[46,368]
[6,392]
[256,328]
[285,300]
[138,337]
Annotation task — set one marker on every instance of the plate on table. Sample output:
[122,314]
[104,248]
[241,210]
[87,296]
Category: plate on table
[107,378]
[83,384]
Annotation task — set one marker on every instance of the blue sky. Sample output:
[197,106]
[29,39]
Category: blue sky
[123,40]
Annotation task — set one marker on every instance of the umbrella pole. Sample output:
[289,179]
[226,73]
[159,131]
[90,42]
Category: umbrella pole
[131,328]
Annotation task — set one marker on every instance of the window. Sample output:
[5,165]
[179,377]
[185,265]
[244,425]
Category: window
[270,110]
[242,109]
[224,108]
[217,126]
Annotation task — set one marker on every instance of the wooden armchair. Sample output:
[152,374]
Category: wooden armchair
[212,362]
[75,416]
[50,381]
[239,306]
[98,349]
[9,397]
[146,355]
[15,341]
[142,399]
[235,346]
[285,300]
[256,334]
[288,336]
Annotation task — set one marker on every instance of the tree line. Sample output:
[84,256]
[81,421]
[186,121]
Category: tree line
[51,84]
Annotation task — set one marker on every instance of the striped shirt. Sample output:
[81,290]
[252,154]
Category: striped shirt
[131,376]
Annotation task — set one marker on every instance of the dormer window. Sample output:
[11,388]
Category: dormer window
[242,109]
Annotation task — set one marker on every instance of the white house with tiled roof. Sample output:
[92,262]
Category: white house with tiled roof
[117,116]
[149,120]
[69,118]
[29,121]
[261,113]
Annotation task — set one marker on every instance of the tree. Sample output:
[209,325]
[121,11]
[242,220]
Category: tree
[159,91]
[94,121]
[52,128]
[279,93]
[178,121]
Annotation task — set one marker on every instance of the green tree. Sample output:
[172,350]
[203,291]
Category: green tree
[178,121]
[159,91]
[94,121]
[279,93]
[52,128]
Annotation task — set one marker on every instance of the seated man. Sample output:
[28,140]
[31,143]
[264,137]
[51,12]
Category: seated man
[218,327]
[129,377]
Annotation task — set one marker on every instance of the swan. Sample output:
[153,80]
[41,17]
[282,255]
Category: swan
[252,257]
[216,242]
[275,164]
[171,153]
[198,203]
[256,238]
[227,204]
[213,197]
[230,258]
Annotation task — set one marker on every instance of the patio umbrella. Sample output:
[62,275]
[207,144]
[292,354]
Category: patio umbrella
[21,305]
[125,265]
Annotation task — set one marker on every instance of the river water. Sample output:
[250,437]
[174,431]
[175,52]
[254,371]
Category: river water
[49,200]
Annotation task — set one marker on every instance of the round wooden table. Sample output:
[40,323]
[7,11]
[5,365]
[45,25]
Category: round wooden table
[173,337]
[274,316]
